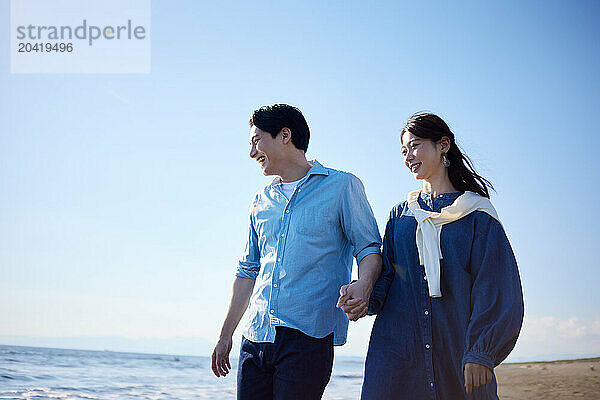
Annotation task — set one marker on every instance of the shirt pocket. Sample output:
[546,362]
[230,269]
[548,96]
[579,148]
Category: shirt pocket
[314,221]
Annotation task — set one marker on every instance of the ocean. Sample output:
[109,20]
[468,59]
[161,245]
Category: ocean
[44,373]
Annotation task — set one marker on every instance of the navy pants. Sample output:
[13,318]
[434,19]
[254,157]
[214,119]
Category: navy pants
[296,366]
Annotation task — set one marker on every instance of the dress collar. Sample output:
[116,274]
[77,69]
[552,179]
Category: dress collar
[442,200]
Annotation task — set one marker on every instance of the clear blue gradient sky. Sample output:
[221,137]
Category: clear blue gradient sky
[124,198]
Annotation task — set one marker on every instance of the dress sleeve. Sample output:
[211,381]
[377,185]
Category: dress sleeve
[249,264]
[382,285]
[496,297]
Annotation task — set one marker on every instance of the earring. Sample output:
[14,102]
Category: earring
[445,161]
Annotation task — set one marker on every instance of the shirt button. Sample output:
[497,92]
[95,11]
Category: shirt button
[426,312]
[272,311]
[287,211]
[426,346]
[279,259]
[274,285]
[283,235]
[425,277]
[431,384]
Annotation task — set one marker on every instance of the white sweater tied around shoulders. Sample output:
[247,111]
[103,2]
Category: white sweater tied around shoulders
[429,229]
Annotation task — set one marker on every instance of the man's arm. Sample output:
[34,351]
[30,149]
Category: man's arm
[242,290]
[360,227]
[354,297]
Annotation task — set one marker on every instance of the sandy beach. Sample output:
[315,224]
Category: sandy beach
[573,379]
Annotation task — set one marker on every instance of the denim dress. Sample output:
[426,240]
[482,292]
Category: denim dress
[419,344]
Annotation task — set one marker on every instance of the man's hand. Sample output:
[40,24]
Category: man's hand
[476,375]
[220,356]
[354,299]
[242,289]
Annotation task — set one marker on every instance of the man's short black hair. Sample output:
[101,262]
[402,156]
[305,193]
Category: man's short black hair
[275,117]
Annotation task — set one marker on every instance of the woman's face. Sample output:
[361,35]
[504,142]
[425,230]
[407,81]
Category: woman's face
[422,157]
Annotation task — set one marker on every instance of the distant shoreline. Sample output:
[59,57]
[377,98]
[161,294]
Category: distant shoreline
[568,360]
[347,357]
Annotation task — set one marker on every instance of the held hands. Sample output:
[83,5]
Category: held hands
[476,375]
[220,356]
[354,299]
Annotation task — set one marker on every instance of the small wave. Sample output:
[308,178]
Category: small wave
[14,377]
[44,377]
[350,376]
[10,395]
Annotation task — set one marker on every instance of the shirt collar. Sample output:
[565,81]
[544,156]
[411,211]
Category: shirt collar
[315,169]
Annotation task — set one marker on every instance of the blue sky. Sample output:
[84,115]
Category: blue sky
[124,198]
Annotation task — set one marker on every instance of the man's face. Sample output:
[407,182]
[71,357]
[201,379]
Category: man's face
[266,150]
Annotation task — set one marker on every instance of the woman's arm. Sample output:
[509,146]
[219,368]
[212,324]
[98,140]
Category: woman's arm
[496,298]
[382,285]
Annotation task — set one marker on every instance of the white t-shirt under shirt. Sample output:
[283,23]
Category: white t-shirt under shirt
[288,188]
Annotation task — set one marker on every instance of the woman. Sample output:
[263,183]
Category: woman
[449,299]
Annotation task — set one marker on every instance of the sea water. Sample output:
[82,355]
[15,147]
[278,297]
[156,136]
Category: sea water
[44,373]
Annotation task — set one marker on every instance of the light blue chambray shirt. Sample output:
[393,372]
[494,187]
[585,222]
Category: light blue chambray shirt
[300,253]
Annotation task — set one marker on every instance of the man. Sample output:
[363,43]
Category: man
[304,229]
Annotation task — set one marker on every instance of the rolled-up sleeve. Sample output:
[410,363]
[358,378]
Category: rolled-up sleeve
[249,264]
[358,221]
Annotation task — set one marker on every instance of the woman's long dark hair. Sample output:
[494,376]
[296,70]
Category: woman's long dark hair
[461,171]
